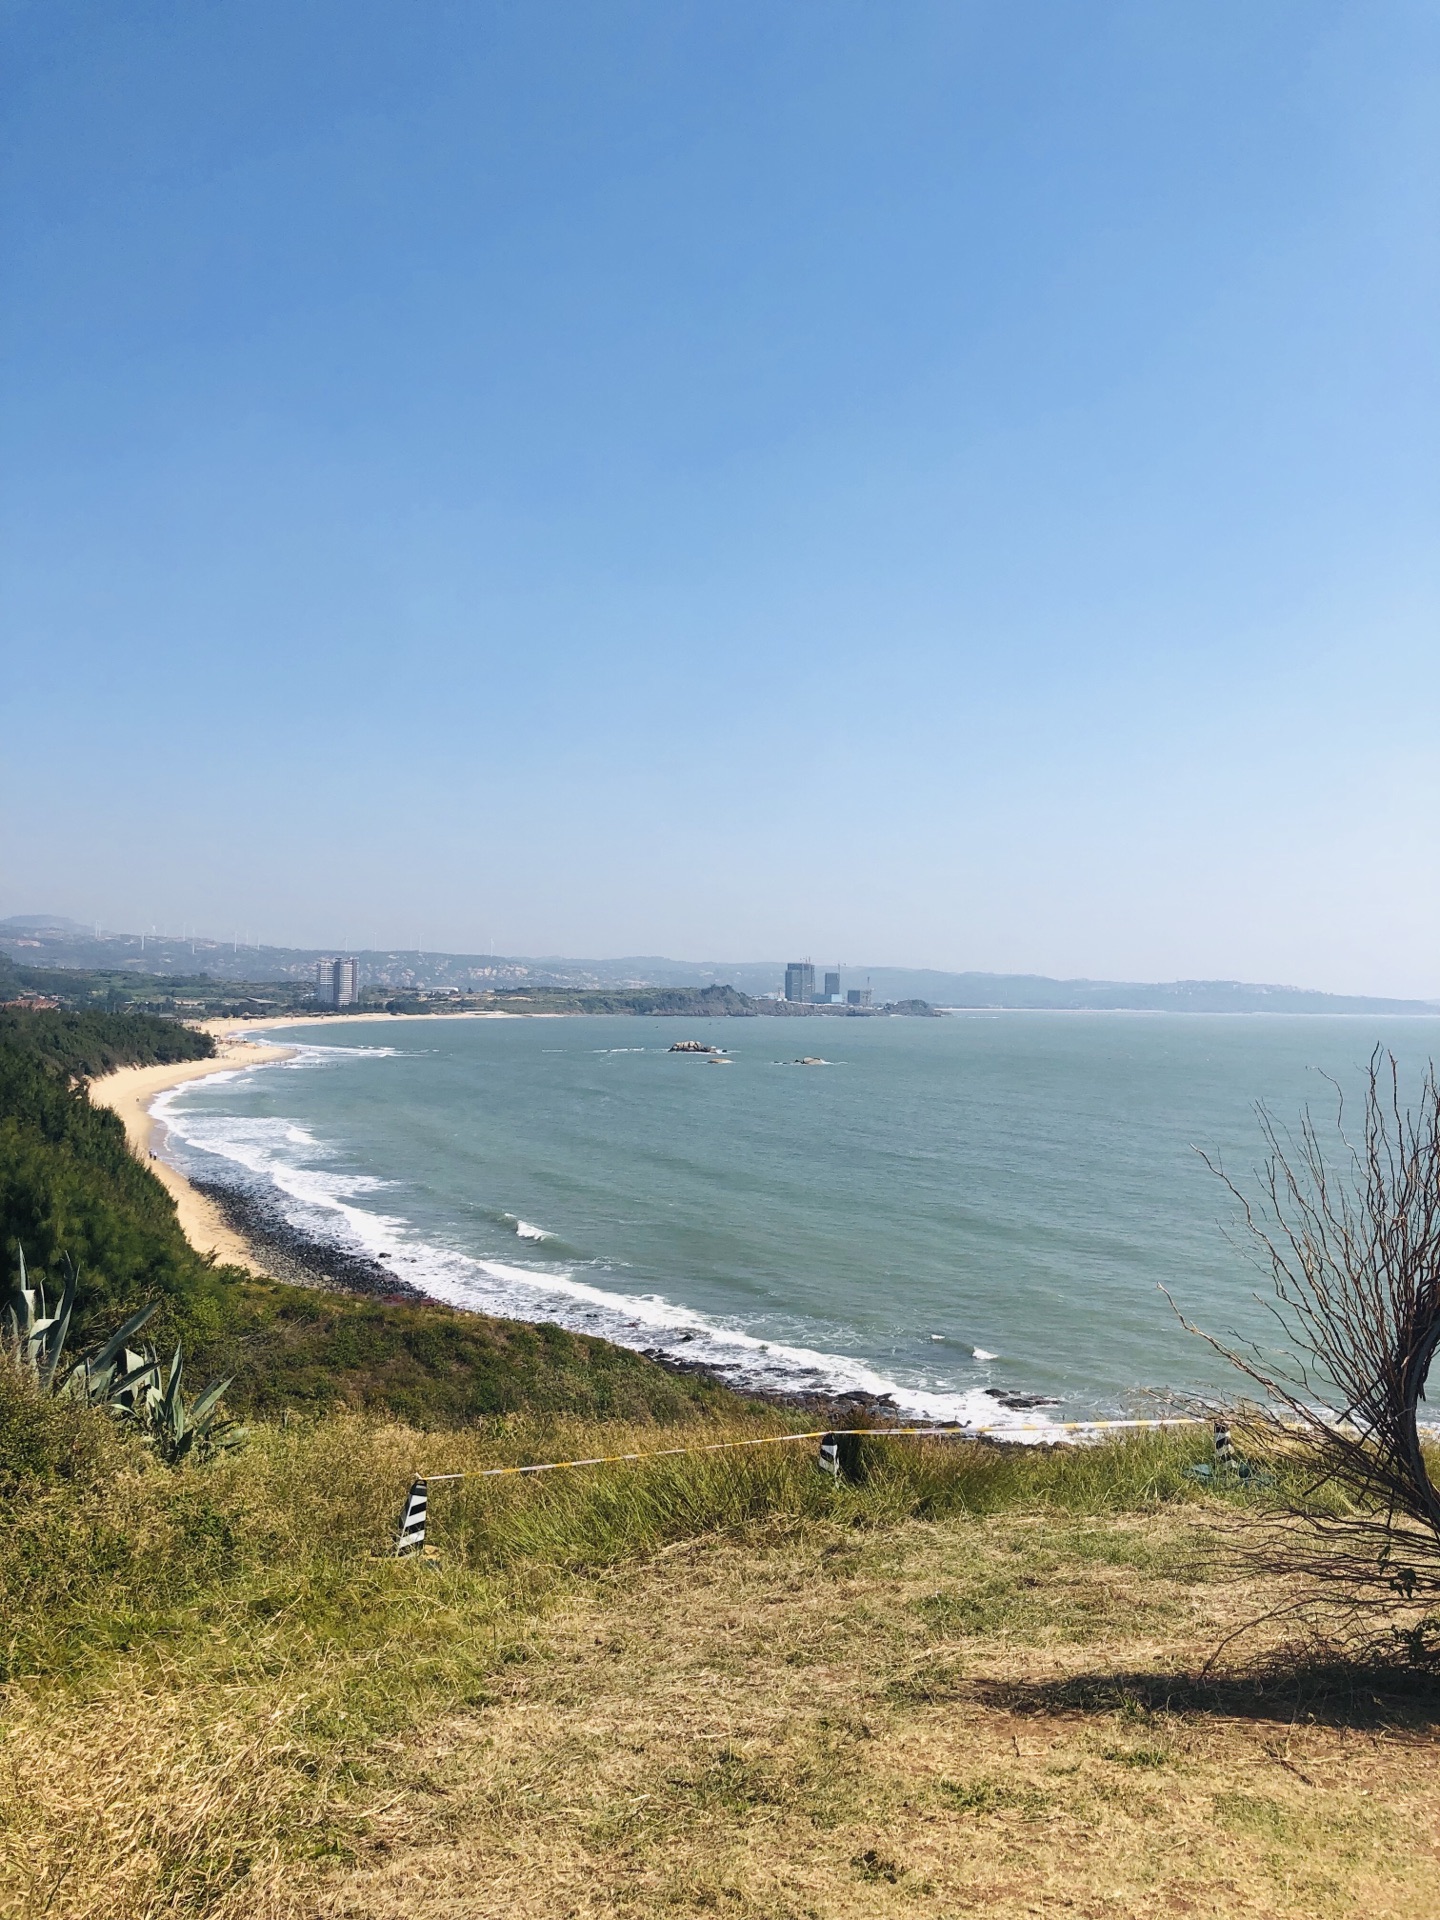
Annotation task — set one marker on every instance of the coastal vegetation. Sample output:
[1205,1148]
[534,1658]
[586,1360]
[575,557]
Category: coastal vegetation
[69,1186]
[958,1678]
[972,1679]
[72,1192]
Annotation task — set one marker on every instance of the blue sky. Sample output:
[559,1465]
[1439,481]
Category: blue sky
[943,485]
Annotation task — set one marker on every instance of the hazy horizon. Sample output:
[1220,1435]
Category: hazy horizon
[742,972]
[953,483]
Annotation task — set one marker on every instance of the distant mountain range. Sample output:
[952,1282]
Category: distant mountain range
[44,940]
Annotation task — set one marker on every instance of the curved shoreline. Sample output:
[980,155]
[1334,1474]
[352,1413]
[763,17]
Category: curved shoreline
[230,1227]
[130,1092]
[223,1233]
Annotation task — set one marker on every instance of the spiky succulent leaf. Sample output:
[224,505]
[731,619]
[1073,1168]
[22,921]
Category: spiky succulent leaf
[112,1347]
[48,1359]
[204,1407]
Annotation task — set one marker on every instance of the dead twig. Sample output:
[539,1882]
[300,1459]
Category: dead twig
[1348,1226]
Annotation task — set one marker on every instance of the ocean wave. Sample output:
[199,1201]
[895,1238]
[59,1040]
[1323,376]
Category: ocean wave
[261,1155]
[314,1054]
[524,1230]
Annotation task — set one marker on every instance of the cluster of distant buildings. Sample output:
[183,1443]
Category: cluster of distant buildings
[337,982]
[800,986]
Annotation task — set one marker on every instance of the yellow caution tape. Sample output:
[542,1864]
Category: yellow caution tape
[823,1433]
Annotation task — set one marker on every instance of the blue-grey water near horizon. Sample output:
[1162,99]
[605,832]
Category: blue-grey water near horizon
[956,1211]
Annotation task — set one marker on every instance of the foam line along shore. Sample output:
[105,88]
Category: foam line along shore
[278,1224]
[323,1222]
[131,1093]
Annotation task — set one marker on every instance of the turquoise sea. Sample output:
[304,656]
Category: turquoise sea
[955,1211]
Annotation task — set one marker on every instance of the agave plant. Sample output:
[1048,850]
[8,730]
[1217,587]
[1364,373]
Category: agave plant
[35,1338]
[34,1335]
[150,1400]
[132,1386]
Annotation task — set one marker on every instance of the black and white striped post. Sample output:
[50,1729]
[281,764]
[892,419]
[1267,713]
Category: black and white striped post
[1224,1445]
[412,1520]
[840,1457]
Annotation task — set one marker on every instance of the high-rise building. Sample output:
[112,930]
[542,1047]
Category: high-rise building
[857,997]
[800,981]
[832,988]
[337,982]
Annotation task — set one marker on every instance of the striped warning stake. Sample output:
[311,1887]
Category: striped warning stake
[412,1520]
[1050,1429]
[838,1454]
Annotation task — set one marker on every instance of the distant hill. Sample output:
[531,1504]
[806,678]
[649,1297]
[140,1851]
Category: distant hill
[38,940]
[1020,990]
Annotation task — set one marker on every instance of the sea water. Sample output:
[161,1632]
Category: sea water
[960,1212]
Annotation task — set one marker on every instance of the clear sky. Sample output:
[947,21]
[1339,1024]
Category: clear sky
[949,485]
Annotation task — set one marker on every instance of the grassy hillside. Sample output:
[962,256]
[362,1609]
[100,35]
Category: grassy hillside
[69,1185]
[431,1365]
[968,1680]
[715,1683]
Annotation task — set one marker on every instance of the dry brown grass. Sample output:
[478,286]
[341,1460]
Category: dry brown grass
[689,1688]
[961,1718]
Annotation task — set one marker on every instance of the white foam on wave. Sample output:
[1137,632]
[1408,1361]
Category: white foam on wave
[322,1202]
[314,1054]
[527,1293]
[983,1353]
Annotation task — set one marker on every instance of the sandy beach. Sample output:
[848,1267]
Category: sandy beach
[271,1022]
[131,1091]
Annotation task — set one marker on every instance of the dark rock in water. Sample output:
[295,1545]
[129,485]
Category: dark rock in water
[692,1046]
[834,1407]
[298,1257]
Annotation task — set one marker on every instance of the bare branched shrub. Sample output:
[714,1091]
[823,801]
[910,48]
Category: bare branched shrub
[1348,1223]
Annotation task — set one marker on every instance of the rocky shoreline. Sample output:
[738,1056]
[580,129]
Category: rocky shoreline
[860,1406]
[304,1260]
[301,1259]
